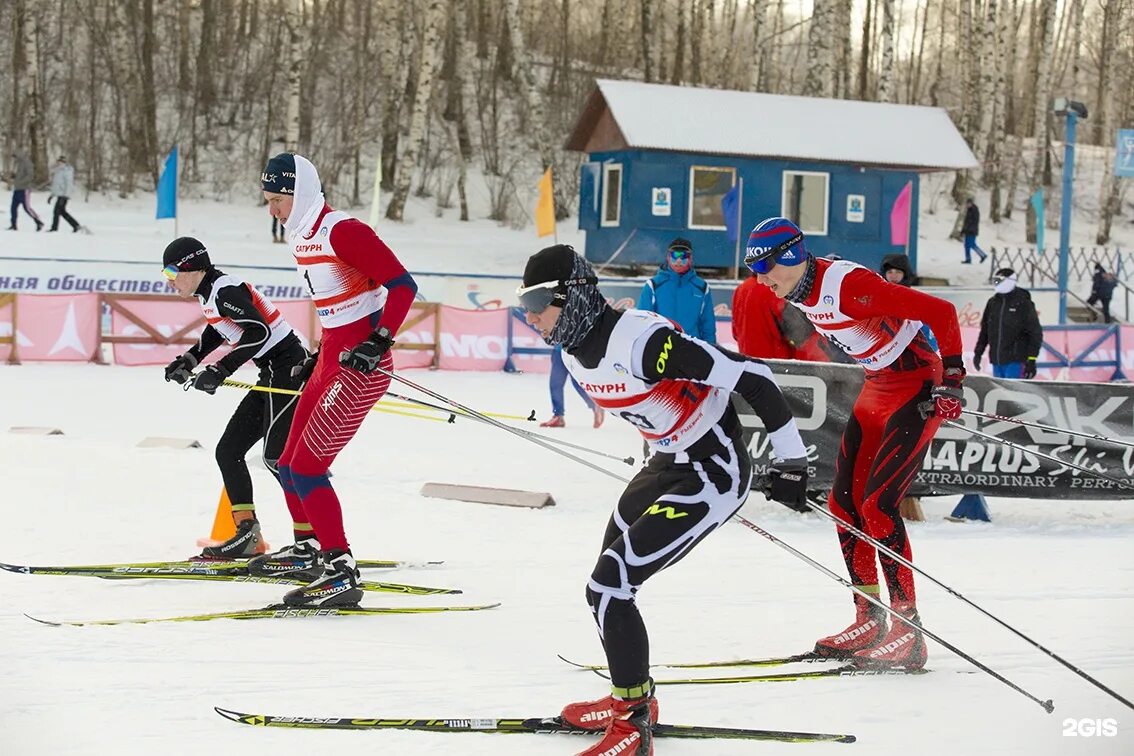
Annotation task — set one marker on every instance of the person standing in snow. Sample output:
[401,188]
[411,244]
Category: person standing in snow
[62,186]
[22,179]
[238,314]
[908,392]
[674,388]
[676,292]
[362,295]
[970,228]
[1010,329]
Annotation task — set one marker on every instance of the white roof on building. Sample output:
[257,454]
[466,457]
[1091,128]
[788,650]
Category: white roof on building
[718,121]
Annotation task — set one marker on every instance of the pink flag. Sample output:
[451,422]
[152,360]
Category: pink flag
[900,216]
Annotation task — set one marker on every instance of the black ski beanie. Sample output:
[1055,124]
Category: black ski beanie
[186,253]
[582,302]
[279,174]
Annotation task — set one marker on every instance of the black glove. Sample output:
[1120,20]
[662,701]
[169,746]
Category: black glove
[210,378]
[365,357]
[1029,368]
[786,481]
[181,369]
[976,362]
[303,371]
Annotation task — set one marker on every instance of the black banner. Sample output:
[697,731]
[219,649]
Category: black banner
[821,396]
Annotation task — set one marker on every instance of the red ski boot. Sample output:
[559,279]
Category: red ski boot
[902,648]
[628,728]
[596,715]
[868,627]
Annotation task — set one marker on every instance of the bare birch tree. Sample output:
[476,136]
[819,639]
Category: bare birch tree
[433,28]
[293,21]
[886,68]
[819,81]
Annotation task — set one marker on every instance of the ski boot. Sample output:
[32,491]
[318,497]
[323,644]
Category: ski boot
[902,648]
[336,586]
[596,715]
[246,544]
[300,561]
[555,421]
[868,627]
[628,727]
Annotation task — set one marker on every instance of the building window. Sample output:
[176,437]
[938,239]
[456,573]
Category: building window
[611,194]
[805,200]
[708,186]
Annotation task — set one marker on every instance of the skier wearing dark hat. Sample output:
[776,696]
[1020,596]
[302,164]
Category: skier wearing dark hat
[675,390]
[908,392]
[255,330]
[362,294]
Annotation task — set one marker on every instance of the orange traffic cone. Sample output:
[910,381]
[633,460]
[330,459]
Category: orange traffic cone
[224,527]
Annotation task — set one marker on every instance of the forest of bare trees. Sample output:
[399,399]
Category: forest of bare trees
[436,87]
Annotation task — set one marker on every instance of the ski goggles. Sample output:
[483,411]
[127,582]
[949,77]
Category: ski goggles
[763,259]
[680,255]
[170,272]
[538,297]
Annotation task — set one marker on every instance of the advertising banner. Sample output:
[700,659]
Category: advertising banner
[821,396]
[52,329]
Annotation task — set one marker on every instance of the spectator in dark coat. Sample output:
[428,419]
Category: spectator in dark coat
[22,179]
[1102,289]
[1011,330]
[970,229]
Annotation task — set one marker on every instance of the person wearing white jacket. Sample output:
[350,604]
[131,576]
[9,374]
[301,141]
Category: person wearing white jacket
[62,186]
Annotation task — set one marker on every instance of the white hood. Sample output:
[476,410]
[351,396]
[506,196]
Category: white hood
[308,201]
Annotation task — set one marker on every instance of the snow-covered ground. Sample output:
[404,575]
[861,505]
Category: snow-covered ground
[1062,572]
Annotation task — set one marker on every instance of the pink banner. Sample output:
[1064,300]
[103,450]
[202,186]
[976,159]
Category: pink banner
[53,328]
[166,316]
[900,216]
[6,329]
[1070,344]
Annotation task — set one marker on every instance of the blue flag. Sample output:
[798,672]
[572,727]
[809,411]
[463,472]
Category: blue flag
[167,187]
[730,208]
[1037,203]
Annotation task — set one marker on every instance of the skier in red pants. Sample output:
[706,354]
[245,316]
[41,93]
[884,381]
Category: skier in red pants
[362,294]
[909,391]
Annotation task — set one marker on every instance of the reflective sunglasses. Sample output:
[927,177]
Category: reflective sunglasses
[679,254]
[764,260]
[170,272]
[538,297]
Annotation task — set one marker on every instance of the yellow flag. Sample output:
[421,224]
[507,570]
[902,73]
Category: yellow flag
[545,207]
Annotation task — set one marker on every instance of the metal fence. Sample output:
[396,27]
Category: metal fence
[1036,269]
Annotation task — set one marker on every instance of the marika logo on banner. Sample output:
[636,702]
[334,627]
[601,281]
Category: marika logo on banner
[821,396]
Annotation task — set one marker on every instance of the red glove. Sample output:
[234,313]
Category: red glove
[946,400]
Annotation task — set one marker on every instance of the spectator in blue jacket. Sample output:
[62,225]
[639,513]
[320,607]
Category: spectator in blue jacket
[678,293]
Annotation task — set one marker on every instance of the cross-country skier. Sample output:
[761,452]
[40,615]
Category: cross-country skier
[675,389]
[238,314]
[909,391]
[362,294]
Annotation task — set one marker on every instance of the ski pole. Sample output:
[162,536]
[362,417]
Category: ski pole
[1047,705]
[902,560]
[293,392]
[524,434]
[1102,476]
[530,417]
[1052,428]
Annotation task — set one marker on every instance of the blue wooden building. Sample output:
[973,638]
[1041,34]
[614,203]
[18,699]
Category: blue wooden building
[661,161]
